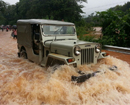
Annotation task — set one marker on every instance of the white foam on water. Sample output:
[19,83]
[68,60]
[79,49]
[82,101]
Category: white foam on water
[26,83]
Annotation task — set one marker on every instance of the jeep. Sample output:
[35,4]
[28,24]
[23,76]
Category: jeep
[50,42]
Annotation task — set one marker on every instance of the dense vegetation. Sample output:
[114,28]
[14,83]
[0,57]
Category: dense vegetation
[115,28]
[67,10]
[115,24]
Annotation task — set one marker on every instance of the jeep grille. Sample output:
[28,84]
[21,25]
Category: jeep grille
[87,56]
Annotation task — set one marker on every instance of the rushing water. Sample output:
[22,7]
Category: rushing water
[25,83]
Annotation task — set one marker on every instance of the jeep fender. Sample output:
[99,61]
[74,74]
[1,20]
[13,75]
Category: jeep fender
[58,59]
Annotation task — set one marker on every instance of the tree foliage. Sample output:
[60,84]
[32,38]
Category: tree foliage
[2,10]
[67,10]
[115,27]
[115,23]
[92,18]
[124,8]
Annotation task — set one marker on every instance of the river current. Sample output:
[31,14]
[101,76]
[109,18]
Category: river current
[25,83]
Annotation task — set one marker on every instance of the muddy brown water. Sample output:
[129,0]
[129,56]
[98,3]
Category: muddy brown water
[25,83]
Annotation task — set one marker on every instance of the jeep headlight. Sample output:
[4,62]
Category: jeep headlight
[97,48]
[77,50]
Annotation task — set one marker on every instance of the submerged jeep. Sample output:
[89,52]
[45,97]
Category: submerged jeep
[50,42]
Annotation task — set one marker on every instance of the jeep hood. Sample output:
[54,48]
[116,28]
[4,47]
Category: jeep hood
[64,47]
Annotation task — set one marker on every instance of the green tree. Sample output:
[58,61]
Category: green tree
[115,27]
[2,11]
[68,10]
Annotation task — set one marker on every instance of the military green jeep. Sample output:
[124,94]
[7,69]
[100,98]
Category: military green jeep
[50,42]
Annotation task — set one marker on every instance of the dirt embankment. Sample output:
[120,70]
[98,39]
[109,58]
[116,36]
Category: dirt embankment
[25,83]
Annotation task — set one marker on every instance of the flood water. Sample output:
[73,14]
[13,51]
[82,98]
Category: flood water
[25,83]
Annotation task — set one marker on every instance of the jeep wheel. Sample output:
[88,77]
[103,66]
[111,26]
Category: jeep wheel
[23,54]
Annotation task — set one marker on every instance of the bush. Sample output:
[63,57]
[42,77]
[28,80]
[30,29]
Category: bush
[81,31]
[115,28]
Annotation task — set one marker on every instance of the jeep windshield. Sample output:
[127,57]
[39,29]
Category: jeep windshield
[58,30]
